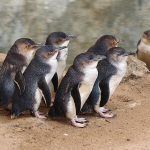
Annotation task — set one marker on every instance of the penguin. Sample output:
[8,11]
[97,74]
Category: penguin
[110,73]
[59,39]
[34,76]
[101,47]
[103,44]
[78,82]
[18,57]
[143,48]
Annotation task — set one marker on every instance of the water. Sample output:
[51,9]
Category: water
[88,19]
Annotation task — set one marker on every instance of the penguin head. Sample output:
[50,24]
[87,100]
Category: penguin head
[118,54]
[104,43]
[25,47]
[109,40]
[59,39]
[87,60]
[146,37]
[47,53]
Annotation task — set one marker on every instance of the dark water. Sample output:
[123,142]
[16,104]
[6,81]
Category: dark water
[88,19]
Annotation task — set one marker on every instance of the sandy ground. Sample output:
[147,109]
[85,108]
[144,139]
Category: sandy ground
[130,130]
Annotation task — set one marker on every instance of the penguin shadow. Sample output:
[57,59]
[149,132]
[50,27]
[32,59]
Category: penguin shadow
[59,120]
[4,112]
[89,116]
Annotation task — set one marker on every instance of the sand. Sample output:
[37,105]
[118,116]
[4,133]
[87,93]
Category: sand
[129,130]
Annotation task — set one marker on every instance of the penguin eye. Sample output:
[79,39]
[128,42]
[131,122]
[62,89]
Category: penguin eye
[49,53]
[114,42]
[121,53]
[58,41]
[28,46]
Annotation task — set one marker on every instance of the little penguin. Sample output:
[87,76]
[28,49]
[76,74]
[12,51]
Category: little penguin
[143,48]
[59,39]
[18,57]
[34,76]
[110,73]
[101,47]
[75,88]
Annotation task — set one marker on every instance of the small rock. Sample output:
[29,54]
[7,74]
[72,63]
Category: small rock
[65,134]
[132,105]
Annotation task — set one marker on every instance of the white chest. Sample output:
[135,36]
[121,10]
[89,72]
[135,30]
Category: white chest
[87,84]
[62,63]
[144,48]
[144,53]
[54,65]
[61,68]
[116,79]
[29,57]
[90,76]
[23,69]
[63,54]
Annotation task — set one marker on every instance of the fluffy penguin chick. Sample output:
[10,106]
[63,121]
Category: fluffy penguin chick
[75,88]
[34,75]
[110,73]
[143,48]
[59,39]
[18,57]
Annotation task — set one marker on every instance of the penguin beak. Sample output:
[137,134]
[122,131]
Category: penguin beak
[70,37]
[61,48]
[37,45]
[129,53]
[99,57]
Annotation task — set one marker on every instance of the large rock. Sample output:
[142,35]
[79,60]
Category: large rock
[136,68]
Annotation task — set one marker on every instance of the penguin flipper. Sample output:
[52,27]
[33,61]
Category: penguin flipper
[45,90]
[105,92]
[55,81]
[20,82]
[76,96]
[15,59]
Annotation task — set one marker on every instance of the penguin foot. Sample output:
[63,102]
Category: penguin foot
[77,123]
[106,115]
[38,115]
[103,109]
[81,120]
[13,116]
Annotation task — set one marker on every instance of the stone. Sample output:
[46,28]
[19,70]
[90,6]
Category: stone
[136,68]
